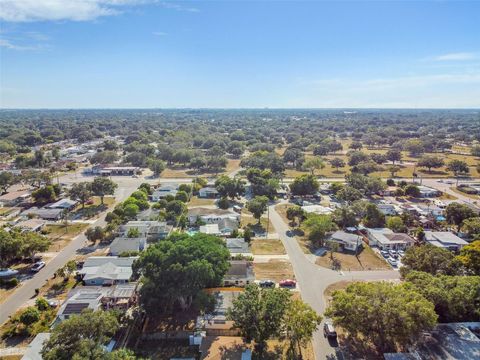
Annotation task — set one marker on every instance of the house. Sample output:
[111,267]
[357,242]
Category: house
[427,192]
[208,192]
[237,246]
[347,241]
[211,216]
[387,209]
[15,197]
[107,270]
[152,230]
[210,229]
[79,301]
[34,349]
[66,204]
[124,244]
[389,191]
[216,323]
[44,213]
[163,191]
[31,225]
[386,239]
[430,210]
[120,171]
[239,274]
[317,209]
[445,239]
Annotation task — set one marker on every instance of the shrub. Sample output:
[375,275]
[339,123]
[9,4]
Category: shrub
[223,203]
[42,304]
[29,316]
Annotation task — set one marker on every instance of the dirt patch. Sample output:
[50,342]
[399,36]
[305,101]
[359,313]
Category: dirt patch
[367,259]
[275,270]
[196,201]
[267,247]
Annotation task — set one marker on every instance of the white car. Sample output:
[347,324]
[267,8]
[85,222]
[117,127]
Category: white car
[37,266]
[392,261]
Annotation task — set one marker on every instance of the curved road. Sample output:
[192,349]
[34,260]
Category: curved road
[314,279]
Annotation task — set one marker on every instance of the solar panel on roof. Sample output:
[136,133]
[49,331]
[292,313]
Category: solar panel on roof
[75,308]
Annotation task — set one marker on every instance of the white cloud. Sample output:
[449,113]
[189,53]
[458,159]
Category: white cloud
[56,10]
[460,56]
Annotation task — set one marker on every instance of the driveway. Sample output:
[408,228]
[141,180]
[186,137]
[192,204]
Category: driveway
[313,281]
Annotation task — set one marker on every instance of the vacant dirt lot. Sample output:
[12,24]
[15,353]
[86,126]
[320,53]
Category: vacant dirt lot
[267,247]
[275,270]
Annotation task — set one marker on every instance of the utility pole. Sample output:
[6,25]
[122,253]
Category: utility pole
[268,220]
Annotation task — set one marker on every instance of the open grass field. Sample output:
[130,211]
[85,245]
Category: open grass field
[267,247]
[183,172]
[275,270]
[367,259]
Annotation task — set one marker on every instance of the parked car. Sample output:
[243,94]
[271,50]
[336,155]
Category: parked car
[288,283]
[8,273]
[392,261]
[384,253]
[266,284]
[393,254]
[401,253]
[329,330]
[37,266]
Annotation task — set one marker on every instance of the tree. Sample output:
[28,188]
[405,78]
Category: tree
[356,157]
[94,234]
[299,323]
[349,194]
[337,163]
[104,157]
[344,217]
[314,163]
[430,259]
[6,180]
[262,182]
[81,336]
[370,310]
[294,156]
[304,185]
[66,270]
[157,166]
[456,298]
[393,169]
[33,242]
[29,316]
[412,190]
[393,155]
[257,206]
[258,313]
[176,269]
[456,213]
[395,223]
[458,167]
[471,226]
[318,226]
[81,192]
[10,247]
[430,162]
[102,186]
[295,212]
[356,145]
[131,211]
[374,218]
[44,195]
[228,187]
[365,167]
[470,257]
[414,147]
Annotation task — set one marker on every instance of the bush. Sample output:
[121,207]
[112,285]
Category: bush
[223,203]
[42,304]
[29,316]
[391,182]
[9,283]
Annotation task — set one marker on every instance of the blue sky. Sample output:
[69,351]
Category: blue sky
[239,54]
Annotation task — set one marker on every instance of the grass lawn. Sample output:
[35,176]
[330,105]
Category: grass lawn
[267,247]
[274,270]
[232,165]
[247,219]
[55,231]
[58,288]
[367,259]
[107,200]
[196,201]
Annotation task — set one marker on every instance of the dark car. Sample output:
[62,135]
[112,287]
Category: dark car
[288,283]
[329,330]
[267,284]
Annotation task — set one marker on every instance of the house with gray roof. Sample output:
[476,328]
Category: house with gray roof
[237,246]
[121,245]
[240,273]
[107,270]
[386,239]
[445,239]
[347,241]
[44,213]
[152,230]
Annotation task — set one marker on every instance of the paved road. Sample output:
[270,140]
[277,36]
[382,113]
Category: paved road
[313,280]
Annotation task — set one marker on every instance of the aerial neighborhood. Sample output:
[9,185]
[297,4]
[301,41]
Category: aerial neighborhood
[258,237]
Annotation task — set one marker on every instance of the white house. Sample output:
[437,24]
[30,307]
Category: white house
[427,192]
[346,240]
[121,245]
[107,270]
[387,209]
[211,216]
[445,240]
[386,239]
[163,191]
[208,192]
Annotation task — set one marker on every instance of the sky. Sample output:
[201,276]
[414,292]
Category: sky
[239,54]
